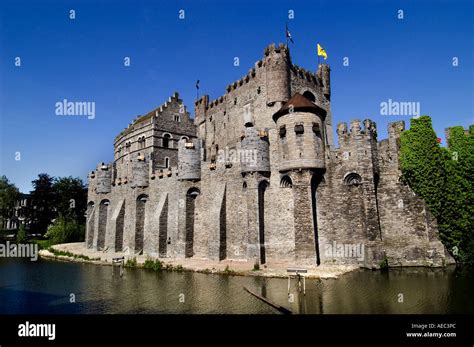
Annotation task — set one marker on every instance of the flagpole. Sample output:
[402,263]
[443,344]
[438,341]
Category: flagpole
[317,52]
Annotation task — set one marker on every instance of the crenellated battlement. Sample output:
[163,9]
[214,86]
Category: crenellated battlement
[299,72]
[252,74]
[140,121]
[394,129]
[273,48]
[367,127]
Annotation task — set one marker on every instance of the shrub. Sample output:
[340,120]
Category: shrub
[131,262]
[154,265]
[65,230]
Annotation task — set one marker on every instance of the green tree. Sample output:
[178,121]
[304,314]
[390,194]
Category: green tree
[9,195]
[44,201]
[71,201]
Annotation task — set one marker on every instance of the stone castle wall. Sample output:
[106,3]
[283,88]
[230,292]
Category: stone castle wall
[237,188]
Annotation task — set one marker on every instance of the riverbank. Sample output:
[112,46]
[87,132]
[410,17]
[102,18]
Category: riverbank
[77,252]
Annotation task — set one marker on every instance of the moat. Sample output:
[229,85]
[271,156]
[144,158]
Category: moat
[46,287]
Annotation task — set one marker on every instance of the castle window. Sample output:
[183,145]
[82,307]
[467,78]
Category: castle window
[167,162]
[317,130]
[258,90]
[177,118]
[235,101]
[286,182]
[248,121]
[166,140]
[352,179]
[282,131]
[141,142]
[299,129]
[310,96]
[127,147]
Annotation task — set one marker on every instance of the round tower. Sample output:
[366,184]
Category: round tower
[255,151]
[300,127]
[189,159]
[139,171]
[277,73]
[103,178]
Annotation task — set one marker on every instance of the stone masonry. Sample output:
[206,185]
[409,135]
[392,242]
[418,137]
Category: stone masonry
[256,177]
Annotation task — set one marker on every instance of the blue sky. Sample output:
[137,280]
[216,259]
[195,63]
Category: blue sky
[82,60]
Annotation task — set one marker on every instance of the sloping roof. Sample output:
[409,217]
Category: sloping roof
[300,104]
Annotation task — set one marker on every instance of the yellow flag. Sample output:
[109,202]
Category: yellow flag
[322,52]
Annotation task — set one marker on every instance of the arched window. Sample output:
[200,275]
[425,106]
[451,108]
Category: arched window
[286,182]
[167,162]
[352,179]
[310,96]
[142,198]
[141,142]
[166,140]
[191,196]
[127,147]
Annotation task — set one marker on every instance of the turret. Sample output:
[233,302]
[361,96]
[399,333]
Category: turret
[300,126]
[277,73]
[189,159]
[140,171]
[103,178]
[255,152]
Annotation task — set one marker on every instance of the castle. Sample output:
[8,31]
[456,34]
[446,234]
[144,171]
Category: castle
[256,177]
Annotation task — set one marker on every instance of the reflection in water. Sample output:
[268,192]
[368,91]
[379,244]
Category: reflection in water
[45,287]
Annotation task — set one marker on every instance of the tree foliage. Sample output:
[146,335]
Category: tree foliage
[64,197]
[9,194]
[443,178]
[65,230]
[44,200]
[71,198]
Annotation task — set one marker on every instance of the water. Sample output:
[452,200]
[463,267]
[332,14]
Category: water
[45,287]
